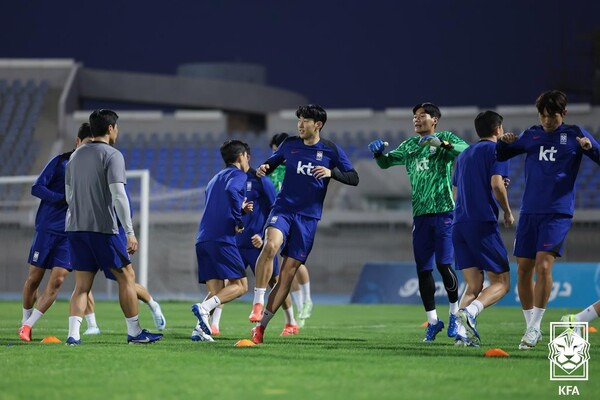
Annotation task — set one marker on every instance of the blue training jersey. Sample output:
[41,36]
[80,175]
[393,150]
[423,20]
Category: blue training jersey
[475,166]
[223,209]
[551,166]
[262,193]
[50,187]
[301,193]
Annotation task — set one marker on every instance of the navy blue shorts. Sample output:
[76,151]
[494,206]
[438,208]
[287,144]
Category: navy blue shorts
[432,235]
[541,232]
[123,238]
[219,260]
[93,251]
[298,233]
[49,250]
[479,244]
[250,255]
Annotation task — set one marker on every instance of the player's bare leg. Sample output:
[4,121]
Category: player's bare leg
[264,270]
[291,327]
[474,280]
[90,316]
[534,295]
[525,285]
[77,306]
[222,294]
[144,295]
[30,287]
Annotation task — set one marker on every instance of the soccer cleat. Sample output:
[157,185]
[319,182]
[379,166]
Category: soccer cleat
[72,342]
[470,324]
[301,322]
[257,334]
[306,310]
[289,330]
[199,336]
[452,326]
[257,312]
[462,341]
[92,330]
[144,337]
[531,337]
[202,316]
[433,330]
[215,330]
[25,333]
[159,318]
[571,318]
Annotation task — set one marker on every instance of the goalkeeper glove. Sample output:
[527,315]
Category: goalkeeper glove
[376,147]
[434,141]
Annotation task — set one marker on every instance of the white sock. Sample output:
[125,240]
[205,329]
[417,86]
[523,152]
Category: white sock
[152,304]
[475,308]
[26,314]
[33,318]
[528,314]
[267,315]
[74,326]
[289,316]
[536,318]
[211,304]
[454,307]
[90,319]
[259,295]
[432,317]
[216,316]
[297,299]
[306,292]
[587,315]
[133,326]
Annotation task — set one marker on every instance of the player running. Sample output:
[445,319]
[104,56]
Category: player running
[479,186]
[310,164]
[553,156]
[429,158]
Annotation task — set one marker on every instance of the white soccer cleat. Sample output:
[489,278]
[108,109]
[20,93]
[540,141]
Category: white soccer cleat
[159,318]
[531,337]
[93,330]
[202,316]
[571,319]
[199,336]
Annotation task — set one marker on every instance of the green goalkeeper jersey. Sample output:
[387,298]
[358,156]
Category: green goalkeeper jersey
[429,170]
[277,177]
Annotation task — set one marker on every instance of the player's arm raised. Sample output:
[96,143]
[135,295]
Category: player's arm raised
[452,143]
[343,171]
[40,187]
[394,157]
[272,162]
[510,145]
[590,146]
[236,193]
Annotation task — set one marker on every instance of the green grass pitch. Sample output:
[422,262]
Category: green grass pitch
[344,352]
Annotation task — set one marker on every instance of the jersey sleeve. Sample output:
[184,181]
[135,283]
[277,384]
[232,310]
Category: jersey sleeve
[500,168]
[236,191]
[343,170]
[40,187]
[276,158]
[394,157]
[458,144]
[505,151]
[115,169]
[594,152]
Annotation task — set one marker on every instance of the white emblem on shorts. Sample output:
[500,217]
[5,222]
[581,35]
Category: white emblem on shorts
[248,186]
[274,219]
[319,155]
[36,255]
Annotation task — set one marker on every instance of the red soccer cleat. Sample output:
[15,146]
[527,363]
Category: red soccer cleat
[289,330]
[215,331]
[257,334]
[25,333]
[257,312]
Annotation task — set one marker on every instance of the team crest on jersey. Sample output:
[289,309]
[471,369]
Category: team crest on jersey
[432,150]
[563,138]
[248,186]
[274,219]
[36,255]
[319,155]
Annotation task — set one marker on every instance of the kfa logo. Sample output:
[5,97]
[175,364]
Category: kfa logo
[547,154]
[319,155]
[248,186]
[569,351]
[563,138]
[274,219]
[422,164]
[304,169]
[36,256]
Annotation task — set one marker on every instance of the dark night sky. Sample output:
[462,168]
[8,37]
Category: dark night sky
[338,53]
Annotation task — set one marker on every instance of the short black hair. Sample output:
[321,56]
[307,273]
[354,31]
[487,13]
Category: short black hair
[100,120]
[84,131]
[429,108]
[278,138]
[231,149]
[486,122]
[312,111]
[552,101]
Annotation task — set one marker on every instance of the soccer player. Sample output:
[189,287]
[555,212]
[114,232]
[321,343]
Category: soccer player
[587,315]
[50,249]
[216,247]
[429,158]
[479,186]
[553,155]
[95,192]
[310,164]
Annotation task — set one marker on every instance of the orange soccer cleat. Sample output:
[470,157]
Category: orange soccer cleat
[257,312]
[257,334]
[25,333]
[215,331]
[289,330]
